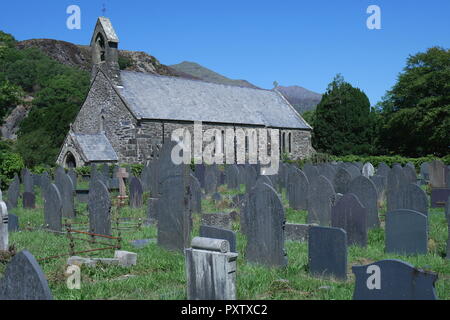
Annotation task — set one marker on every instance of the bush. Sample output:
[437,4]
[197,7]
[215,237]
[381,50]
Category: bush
[10,164]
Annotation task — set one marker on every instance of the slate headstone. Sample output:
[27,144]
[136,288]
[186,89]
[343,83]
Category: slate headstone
[99,206]
[13,223]
[53,208]
[211,179]
[320,196]
[414,198]
[196,194]
[28,200]
[366,192]
[342,180]
[327,252]
[439,197]
[13,192]
[297,189]
[67,192]
[136,193]
[28,181]
[219,233]
[438,174]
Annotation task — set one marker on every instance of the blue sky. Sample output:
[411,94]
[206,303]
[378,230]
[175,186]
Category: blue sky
[295,42]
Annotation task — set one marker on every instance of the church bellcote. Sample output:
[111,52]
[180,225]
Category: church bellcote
[105,52]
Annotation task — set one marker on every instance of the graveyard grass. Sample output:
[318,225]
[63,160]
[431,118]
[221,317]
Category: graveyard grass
[160,274]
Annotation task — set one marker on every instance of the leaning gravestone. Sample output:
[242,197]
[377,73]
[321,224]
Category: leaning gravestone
[327,252]
[320,196]
[136,193]
[53,208]
[366,192]
[13,192]
[24,280]
[349,214]
[297,189]
[414,198]
[393,280]
[210,270]
[368,170]
[99,205]
[219,233]
[406,232]
[174,212]
[265,226]
[342,180]
[28,200]
[66,189]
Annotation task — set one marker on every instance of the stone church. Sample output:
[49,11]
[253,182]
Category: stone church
[127,116]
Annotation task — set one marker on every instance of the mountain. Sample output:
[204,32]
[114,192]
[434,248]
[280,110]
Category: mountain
[205,74]
[301,99]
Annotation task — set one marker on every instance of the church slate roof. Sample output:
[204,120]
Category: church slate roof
[96,147]
[171,98]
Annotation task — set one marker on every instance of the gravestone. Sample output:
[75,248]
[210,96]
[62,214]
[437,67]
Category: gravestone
[264,226]
[406,232]
[342,180]
[4,232]
[45,183]
[66,190]
[368,170]
[24,280]
[425,171]
[410,174]
[349,214]
[219,233]
[27,181]
[327,252]
[210,270]
[136,193]
[199,173]
[414,198]
[152,210]
[380,183]
[320,196]
[366,192]
[383,169]
[396,182]
[354,170]
[296,232]
[28,200]
[297,189]
[438,174]
[327,170]
[219,220]
[232,176]
[196,194]
[73,177]
[311,172]
[250,177]
[211,179]
[122,174]
[13,192]
[439,197]
[99,206]
[53,208]
[174,212]
[146,178]
[393,280]
[13,223]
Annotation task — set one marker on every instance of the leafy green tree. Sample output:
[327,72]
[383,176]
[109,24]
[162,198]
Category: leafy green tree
[343,122]
[415,113]
[10,95]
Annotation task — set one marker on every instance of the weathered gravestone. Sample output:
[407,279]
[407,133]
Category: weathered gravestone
[297,189]
[220,220]
[232,176]
[219,233]
[99,206]
[366,192]
[53,208]
[393,280]
[27,181]
[264,226]
[349,214]
[13,192]
[327,252]
[414,198]
[13,223]
[174,212]
[136,193]
[196,194]
[320,196]
[211,179]
[296,232]
[28,200]
[66,190]
[342,180]
[368,170]
[438,174]
[210,270]
[406,232]
[24,280]
[4,232]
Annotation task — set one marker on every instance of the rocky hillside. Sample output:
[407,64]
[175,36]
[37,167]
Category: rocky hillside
[205,74]
[301,99]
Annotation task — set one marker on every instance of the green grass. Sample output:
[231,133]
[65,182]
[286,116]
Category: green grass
[160,274]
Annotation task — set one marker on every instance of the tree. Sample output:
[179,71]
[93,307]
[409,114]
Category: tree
[10,95]
[415,113]
[343,122]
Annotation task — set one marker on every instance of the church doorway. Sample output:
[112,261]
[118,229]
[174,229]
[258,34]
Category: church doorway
[70,160]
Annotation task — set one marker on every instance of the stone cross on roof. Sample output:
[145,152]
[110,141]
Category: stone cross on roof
[121,175]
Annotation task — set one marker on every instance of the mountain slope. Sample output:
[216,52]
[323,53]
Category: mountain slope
[205,74]
[301,99]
